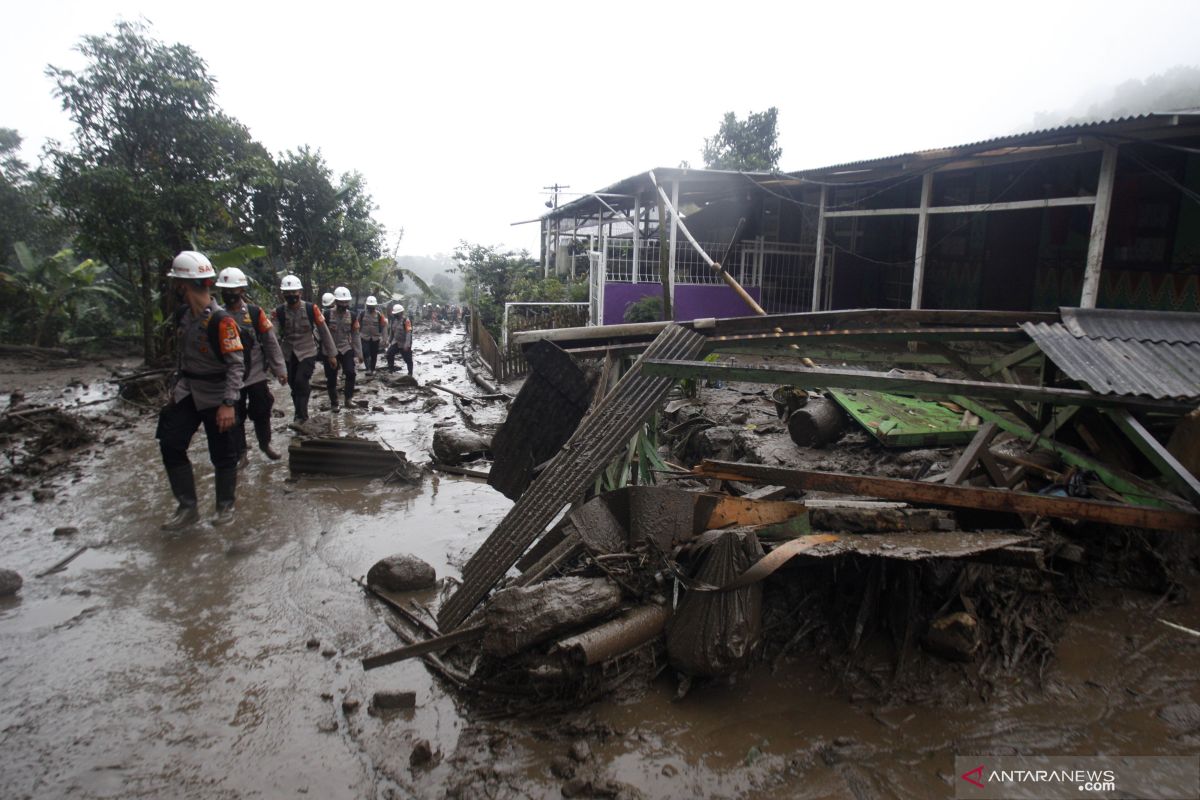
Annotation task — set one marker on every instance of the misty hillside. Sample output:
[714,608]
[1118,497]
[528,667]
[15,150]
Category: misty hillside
[1177,88]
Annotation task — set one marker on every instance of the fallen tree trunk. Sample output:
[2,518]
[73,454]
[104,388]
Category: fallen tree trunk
[520,617]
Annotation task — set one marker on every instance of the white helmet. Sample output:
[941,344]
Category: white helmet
[399,309]
[327,300]
[371,301]
[232,278]
[290,284]
[191,265]
[341,293]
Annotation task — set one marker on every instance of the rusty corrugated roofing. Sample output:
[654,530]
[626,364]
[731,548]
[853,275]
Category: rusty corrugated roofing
[1147,353]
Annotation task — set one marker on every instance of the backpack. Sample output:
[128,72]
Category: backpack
[214,334]
[281,316]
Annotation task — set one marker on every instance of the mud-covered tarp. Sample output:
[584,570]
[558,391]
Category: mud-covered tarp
[715,633]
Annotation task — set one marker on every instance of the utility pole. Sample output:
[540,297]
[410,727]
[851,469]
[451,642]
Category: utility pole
[553,203]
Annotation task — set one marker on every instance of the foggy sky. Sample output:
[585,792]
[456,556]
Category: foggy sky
[458,113]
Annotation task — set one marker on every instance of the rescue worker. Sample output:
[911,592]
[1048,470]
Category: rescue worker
[347,343]
[400,339]
[372,328]
[327,302]
[301,325]
[209,367]
[256,399]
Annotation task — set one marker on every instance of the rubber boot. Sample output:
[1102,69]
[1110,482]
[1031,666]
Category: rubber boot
[244,460]
[226,481]
[301,409]
[183,486]
[262,429]
[333,400]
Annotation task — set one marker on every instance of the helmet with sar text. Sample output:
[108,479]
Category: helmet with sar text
[327,300]
[291,287]
[190,265]
[398,310]
[342,296]
[371,301]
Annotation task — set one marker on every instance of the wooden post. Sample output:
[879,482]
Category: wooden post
[1104,189]
[637,234]
[545,249]
[664,264]
[819,264]
[674,237]
[918,278]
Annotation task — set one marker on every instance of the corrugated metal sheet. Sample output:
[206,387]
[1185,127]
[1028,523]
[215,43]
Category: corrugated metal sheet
[1159,369]
[1168,327]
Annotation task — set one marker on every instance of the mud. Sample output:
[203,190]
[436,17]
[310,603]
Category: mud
[225,663]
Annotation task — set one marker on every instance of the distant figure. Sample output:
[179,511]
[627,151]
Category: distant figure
[372,325]
[209,370]
[400,340]
[343,327]
[301,325]
[256,400]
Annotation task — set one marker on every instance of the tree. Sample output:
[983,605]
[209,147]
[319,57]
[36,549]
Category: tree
[489,277]
[151,164]
[752,145]
[25,215]
[51,292]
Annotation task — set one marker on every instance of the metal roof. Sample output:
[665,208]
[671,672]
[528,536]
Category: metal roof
[1153,119]
[1153,354]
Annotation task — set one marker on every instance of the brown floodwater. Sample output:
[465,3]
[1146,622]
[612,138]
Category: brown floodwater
[159,665]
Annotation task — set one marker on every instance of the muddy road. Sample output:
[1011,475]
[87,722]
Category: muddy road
[224,663]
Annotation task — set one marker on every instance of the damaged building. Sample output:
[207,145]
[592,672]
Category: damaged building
[1101,214]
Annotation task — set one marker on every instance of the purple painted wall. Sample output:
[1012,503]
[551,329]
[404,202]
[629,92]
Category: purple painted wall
[691,302]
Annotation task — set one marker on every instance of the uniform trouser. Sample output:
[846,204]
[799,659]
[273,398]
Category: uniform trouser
[255,404]
[345,362]
[300,372]
[370,353]
[406,354]
[178,422]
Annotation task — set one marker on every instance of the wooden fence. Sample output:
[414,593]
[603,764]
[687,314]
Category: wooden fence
[503,364]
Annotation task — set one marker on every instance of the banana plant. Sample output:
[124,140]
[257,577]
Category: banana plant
[56,286]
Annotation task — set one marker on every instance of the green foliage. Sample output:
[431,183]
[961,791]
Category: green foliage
[647,309]
[45,298]
[752,145]
[24,215]
[490,277]
[150,163]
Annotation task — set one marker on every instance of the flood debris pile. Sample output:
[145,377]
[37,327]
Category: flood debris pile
[953,509]
[39,441]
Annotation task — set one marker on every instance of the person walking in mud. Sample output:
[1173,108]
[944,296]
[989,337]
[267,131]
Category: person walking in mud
[372,325]
[347,342]
[256,400]
[209,369]
[301,326]
[400,339]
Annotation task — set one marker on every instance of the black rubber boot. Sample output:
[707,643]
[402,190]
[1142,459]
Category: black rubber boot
[301,409]
[183,486]
[262,430]
[226,481]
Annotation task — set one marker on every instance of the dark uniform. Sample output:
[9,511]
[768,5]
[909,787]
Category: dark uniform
[256,400]
[343,327]
[400,341]
[299,327]
[372,325]
[204,381]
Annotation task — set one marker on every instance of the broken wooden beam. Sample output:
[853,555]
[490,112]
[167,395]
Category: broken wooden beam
[822,378]
[1157,454]
[343,456]
[956,496]
[433,645]
[966,462]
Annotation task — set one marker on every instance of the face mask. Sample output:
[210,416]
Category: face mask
[229,298]
[292,299]
[343,304]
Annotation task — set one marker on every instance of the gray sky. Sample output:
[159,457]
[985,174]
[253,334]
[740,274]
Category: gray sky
[458,113]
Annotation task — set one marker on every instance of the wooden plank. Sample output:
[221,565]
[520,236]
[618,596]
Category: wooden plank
[966,462]
[956,496]
[898,334]
[819,264]
[967,208]
[1095,254]
[434,645]
[1158,455]
[1012,359]
[823,378]
[918,279]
